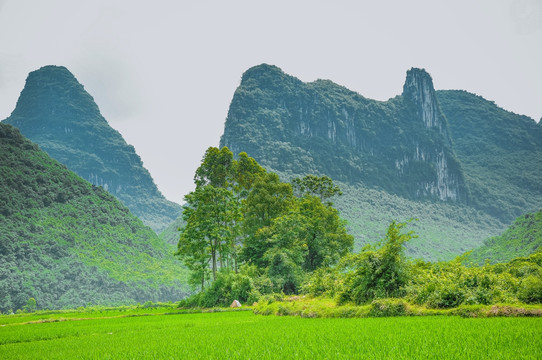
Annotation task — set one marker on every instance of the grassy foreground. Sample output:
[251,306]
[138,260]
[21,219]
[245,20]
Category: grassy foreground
[243,335]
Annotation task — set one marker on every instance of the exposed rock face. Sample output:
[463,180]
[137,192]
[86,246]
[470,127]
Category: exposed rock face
[56,112]
[401,145]
[419,90]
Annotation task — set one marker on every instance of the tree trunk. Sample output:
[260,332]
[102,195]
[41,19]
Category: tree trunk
[213,255]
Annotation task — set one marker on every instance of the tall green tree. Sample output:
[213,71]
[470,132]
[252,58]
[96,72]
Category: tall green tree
[215,168]
[268,199]
[212,216]
[242,214]
[213,213]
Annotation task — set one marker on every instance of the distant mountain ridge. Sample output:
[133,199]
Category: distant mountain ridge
[56,112]
[68,243]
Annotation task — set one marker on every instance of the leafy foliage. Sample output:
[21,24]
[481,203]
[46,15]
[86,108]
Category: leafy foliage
[450,284]
[385,273]
[67,243]
[317,186]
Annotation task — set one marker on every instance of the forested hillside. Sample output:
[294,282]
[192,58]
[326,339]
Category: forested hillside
[444,230]
[500,153]
[170,234]
[68,243]
[522,238]
[56,112]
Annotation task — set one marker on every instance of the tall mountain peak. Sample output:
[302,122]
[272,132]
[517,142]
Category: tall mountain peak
[54,90]
[262,70]
[56,112]
[267,76]
[419,90]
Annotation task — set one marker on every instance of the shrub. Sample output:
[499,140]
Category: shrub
[374,274]
[30,306]
[446,298]
[530,290]
[388,307]
[322,282]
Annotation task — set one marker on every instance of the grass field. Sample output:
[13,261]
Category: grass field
[243,335]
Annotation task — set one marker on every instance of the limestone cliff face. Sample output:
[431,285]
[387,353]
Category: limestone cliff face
[56,112]
[418,89]
[419,93]
[401,145]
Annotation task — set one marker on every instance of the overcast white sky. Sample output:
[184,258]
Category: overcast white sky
[163,72]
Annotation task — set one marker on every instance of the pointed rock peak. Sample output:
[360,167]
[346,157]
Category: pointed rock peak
[266,76]
[419,90]
[51,72]
[52,78]
[262,70]
[417,81]
[53,92]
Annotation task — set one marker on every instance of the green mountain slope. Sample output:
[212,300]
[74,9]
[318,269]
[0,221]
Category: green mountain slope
[171,234]
[67,243]
[522,238]
[500,152]
[56,112]
[444,230]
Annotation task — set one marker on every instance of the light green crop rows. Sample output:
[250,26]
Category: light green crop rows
[243,335]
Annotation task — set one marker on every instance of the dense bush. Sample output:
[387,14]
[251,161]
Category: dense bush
[530,290]
[450,284]
[227,287]
[385,273]
[388,307]
[374,274]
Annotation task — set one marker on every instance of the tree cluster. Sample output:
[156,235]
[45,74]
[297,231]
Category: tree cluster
[243,220]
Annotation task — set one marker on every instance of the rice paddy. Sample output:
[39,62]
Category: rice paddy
[243,335]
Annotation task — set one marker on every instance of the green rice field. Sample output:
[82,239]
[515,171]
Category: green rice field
[243,335]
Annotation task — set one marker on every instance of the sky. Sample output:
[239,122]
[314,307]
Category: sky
[163,72]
